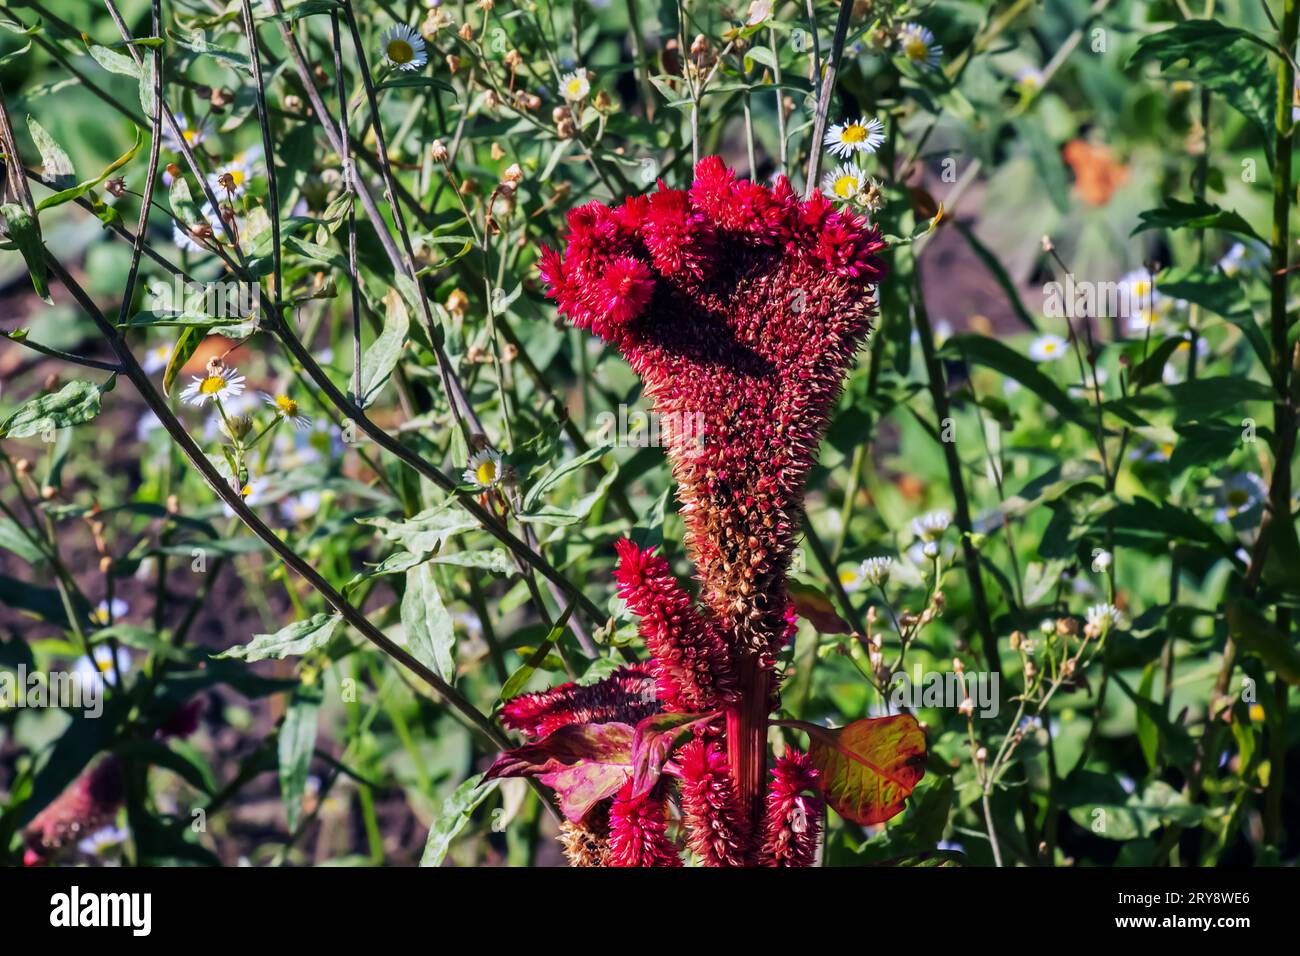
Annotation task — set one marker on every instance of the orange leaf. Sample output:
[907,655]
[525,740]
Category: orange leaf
[870,767]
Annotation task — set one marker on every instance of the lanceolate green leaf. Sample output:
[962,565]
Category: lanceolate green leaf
[25,234]
[297,741]
[379,360]
[76,192]
[75,403]
[300,637]
[452,817]
[429,632]
[56,168]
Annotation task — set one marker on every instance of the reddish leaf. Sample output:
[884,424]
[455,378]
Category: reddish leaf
[582,763]
[870,767]
[816,608]
[654,739]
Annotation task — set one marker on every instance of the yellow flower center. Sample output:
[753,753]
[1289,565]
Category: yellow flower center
[916,49]
[853,133]
[1049,348]
[245,491]
[236,175]
[1237,497]
[104,665]
[848,577]
[191,136]
[574,88]
[846,186]
[99,616]
[486,473]
[287,406]
[212,385]
[399,51]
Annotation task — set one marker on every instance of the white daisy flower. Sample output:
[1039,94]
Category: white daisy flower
[876,570]
[1029,79]
[288,409]
[193,135]
[861,135]
[404,48]
[103,840]
[105,613]
[1101,560]
[575,86]
[156,359]
[851,579]
[1240,497]
[844,182]
[1102,618]
[296,509]
[484,469]
[213,386]
[239,173]
[917,44]
[101,665]
[931,526]
[1047,348]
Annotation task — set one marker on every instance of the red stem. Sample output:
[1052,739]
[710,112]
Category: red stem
[747,743]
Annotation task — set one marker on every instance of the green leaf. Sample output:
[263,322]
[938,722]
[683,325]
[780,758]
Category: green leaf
[76,192]
[185,347]
[297,741]
[1221,58]
[408,82]
[1257,635]
[300,637]
[993,354]
[519,679]
[426,532]
[15,541]
[182,202]
[452,817]
[869,767]
[56,167]
[74,404]
[25,234]
[381,357]
[1177,214]
[535,493]
[234,59]
[305,9]
[1148,733]
[429,632]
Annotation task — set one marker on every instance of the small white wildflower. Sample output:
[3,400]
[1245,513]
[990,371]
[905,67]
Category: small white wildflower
[1102,617]
[1047,348]
[484,469]
[844,182]
[102,665]
[930,527]
[216,385]
[856,136]
[192,135]
[288,409]
[575,86]
[105,613]
[1101,560]
[917,44]
[235,174]
[156,359]
[404,48]
[877,570]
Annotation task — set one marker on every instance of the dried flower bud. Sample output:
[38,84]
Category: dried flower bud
[513,175]
[116,186]
[23,466]
[957,666]
[966,708]
[513,59]
[293,103]
[457,303]
[1017,640]
[453,63]
[1066,627]
[496,152]
[105,564]
[491,100]
[466,32]
[220,98]
[981,755]
[438,151]
[172,170]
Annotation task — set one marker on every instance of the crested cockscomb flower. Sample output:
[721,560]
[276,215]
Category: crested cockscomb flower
[638,831]
[89,802]
[717,827]
[741,307]
[793,823]
[627,695]
[689,658]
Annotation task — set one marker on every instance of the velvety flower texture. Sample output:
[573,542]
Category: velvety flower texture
[741,308]
[794,821]
[89,802]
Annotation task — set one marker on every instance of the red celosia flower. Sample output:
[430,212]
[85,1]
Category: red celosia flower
[627,695]
[638,831]
[794,821]
[717,829]
[741,308]
[689,659]
[89,802]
